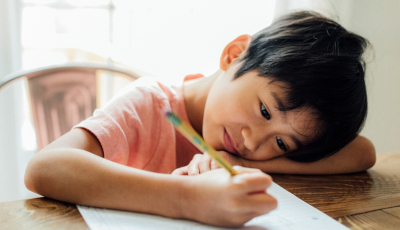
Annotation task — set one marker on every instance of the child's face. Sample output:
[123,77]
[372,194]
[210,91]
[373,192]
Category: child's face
[241,117]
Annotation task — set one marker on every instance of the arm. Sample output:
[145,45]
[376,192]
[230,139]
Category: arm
[359,155]
[67,170]
[72,169]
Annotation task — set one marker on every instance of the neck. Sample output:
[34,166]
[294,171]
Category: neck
[195,94]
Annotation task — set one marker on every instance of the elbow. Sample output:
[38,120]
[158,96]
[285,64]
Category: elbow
[363,154]
[369,155]
[33,177]
[371,159]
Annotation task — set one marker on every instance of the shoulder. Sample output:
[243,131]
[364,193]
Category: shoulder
[145,85]
[142,100]
[143,92]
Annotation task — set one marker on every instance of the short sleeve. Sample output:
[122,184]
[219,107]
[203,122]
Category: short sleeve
[132,129]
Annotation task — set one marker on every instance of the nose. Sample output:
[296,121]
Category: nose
[253,137]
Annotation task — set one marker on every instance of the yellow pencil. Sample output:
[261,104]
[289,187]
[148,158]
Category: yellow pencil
[198,141]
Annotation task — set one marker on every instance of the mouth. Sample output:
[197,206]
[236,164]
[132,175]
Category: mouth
[229,144]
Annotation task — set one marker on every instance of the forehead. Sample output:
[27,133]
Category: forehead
[278,90]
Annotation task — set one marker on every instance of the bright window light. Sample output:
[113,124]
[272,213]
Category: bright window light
[169,39]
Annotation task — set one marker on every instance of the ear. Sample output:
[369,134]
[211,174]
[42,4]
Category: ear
[234,50]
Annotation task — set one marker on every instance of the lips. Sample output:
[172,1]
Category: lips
[229,144]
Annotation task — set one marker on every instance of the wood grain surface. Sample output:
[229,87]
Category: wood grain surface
[393,211]
[376,220]
[40,213]
[367,200]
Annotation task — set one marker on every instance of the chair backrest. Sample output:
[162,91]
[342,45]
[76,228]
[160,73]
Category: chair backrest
[61,96]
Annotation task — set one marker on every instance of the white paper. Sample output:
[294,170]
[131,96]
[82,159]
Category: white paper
[292,213]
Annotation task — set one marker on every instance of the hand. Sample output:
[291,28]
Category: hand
[217,198]
[203,162]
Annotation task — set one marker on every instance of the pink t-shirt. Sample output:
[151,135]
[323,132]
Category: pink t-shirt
[133,130]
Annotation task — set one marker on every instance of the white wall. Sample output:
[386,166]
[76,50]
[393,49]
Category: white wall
[9,19]
[379,21]
[13,158]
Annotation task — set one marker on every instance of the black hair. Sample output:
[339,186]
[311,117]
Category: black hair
[322,65]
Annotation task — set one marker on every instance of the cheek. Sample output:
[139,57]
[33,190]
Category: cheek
[267,151]
[216,119]
[210,127]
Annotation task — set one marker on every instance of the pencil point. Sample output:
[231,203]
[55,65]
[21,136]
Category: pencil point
[167,111]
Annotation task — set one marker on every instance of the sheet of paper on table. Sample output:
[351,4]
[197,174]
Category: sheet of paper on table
[292,213]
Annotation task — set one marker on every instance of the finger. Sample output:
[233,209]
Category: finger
[205,163]
[260,203]
[194,165]
[180,171]
[214,165]
[251,206]
[241,169]
[252,182]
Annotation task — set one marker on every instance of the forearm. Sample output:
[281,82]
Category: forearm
[215,197]
[357,156]
[73,169]
[79,177]
[285,166]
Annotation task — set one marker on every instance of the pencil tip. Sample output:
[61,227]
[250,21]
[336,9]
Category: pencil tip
[167,111]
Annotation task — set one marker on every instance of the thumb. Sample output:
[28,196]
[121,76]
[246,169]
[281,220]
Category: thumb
[181,171]
[214,165]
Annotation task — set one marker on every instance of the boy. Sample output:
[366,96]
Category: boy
[267,104]
[317,70]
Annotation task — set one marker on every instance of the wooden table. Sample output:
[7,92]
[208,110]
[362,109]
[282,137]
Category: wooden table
[367,200]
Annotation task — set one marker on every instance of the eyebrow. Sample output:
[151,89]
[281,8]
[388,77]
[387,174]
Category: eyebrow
[279,101]
[296,141]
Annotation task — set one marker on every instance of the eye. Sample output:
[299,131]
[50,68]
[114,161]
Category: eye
[281,144]
[264,112]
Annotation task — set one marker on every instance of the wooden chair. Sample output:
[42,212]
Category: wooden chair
[61,96]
